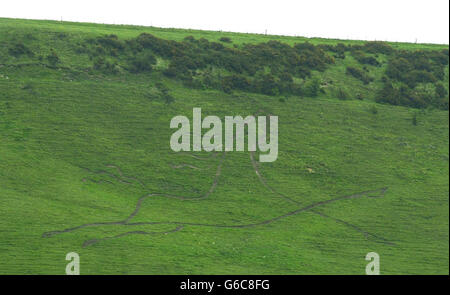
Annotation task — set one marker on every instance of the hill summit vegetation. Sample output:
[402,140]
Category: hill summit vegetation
[412,78]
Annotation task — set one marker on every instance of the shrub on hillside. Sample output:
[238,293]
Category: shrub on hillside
[359,74]
[164,93]
[338,49]
[52,58]
[373,110]
[312,87]
[415,67]
[142,62]
[110,41]
[105,66]
[414,119]
[342,94]
[442,103]
[364,59]
[286,77]
[415,77]
[440,90]
[164,48]
[403,95]
[237,82]
[225,40]
[266,84]
[378,47]
[30,87]
[19,49]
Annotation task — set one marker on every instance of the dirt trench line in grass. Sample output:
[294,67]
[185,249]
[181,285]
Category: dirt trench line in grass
[180,225]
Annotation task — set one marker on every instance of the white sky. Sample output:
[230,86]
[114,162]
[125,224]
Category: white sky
[426,21]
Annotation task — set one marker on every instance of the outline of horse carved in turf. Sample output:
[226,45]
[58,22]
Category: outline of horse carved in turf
[180,225]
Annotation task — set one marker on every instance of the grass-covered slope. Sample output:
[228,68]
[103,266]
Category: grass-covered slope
[86,164]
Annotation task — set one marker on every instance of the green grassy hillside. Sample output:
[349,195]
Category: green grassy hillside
[86,165]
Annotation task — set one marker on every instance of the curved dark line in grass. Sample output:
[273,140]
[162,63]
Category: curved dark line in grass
[123,176]
[365,233]
[294,212]
[120,178]
[55,232]
[210,191]
[185,166]
[264,222]
[139,202]
[264,182]
[137,232]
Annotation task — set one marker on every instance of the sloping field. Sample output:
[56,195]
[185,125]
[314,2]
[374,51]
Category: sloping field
[86,165]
